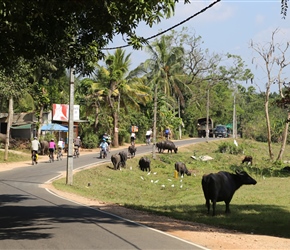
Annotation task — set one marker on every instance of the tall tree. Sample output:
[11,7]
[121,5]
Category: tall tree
[30,29]
[274,60]
[11,85]
[114,87]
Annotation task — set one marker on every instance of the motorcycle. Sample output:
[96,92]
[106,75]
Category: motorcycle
[103,153]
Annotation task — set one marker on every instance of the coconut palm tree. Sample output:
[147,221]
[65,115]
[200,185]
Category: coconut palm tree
[164,71]
[116,88]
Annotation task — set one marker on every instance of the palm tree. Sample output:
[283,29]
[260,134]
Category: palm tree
[115,87]
[164,70]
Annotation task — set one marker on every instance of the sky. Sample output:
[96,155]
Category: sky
[227,27]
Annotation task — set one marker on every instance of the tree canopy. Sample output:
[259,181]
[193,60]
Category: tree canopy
[72,32]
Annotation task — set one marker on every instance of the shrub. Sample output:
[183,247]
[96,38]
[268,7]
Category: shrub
[90,141]
[230,148]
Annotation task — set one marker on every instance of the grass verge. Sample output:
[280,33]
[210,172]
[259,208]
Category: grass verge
[260,209]
[14,157]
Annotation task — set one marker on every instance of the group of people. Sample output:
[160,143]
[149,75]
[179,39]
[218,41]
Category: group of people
[36,146]
[104,145]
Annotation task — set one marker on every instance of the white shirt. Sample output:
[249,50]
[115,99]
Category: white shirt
[60,144]
[35,145]
[149,132]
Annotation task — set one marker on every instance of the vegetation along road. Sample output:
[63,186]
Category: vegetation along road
[32,218]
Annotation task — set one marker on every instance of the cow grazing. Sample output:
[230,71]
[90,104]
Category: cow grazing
[144,164]
[116,160]
[169,145]
[159,146]
[44,147]
[123,156]
[248,159]
[181,168]
[132,150]
[221,186]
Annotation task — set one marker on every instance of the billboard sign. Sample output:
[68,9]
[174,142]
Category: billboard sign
[60,112]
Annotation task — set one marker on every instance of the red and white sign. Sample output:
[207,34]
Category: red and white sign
[60,112]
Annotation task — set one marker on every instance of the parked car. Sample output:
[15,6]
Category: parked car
[220,131]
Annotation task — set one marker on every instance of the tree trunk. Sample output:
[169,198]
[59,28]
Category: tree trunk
[284,140]
[96,118]
[268,127]
[115,113]
[40,121]
[116,132]
[9,123]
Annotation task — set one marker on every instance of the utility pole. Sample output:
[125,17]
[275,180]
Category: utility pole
[180,132]
[154,122]
[69,166]
[234,118]
[207,117]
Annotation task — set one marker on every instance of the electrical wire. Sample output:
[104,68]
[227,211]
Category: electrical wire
[172,27]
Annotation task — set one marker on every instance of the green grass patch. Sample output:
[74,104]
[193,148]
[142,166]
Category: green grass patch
[14,157]
[260,209]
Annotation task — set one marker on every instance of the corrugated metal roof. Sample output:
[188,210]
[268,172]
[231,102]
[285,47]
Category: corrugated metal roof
[26,126]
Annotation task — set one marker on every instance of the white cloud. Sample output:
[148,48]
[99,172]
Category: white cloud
[219,12]
[282,36]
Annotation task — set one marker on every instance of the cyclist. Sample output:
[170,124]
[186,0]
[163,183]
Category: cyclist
[133,138]
[60,145]
[77,142]
[167,133]
[148,136]
[108,140]
[51,148]
[104,147]
[35,146]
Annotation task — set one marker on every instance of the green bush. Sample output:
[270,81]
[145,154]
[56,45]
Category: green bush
[230,148]
[90,141]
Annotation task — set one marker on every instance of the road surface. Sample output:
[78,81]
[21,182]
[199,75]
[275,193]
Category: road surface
[32,218]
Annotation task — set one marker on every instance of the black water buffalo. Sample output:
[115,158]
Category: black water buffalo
[144,164]
[132,150]
[123,156]
[116,160]
[44,147]
[181,168]
[159,146]
[169,145]
[248,159]
[221,186]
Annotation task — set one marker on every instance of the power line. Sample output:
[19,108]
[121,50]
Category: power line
[172,27]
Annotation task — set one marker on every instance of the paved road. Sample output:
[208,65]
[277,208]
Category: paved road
[32,218]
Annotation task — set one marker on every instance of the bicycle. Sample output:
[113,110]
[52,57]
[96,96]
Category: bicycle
[34,157]
[59,154]
[76,152]
[148,140]
[51,156]
[103,153]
